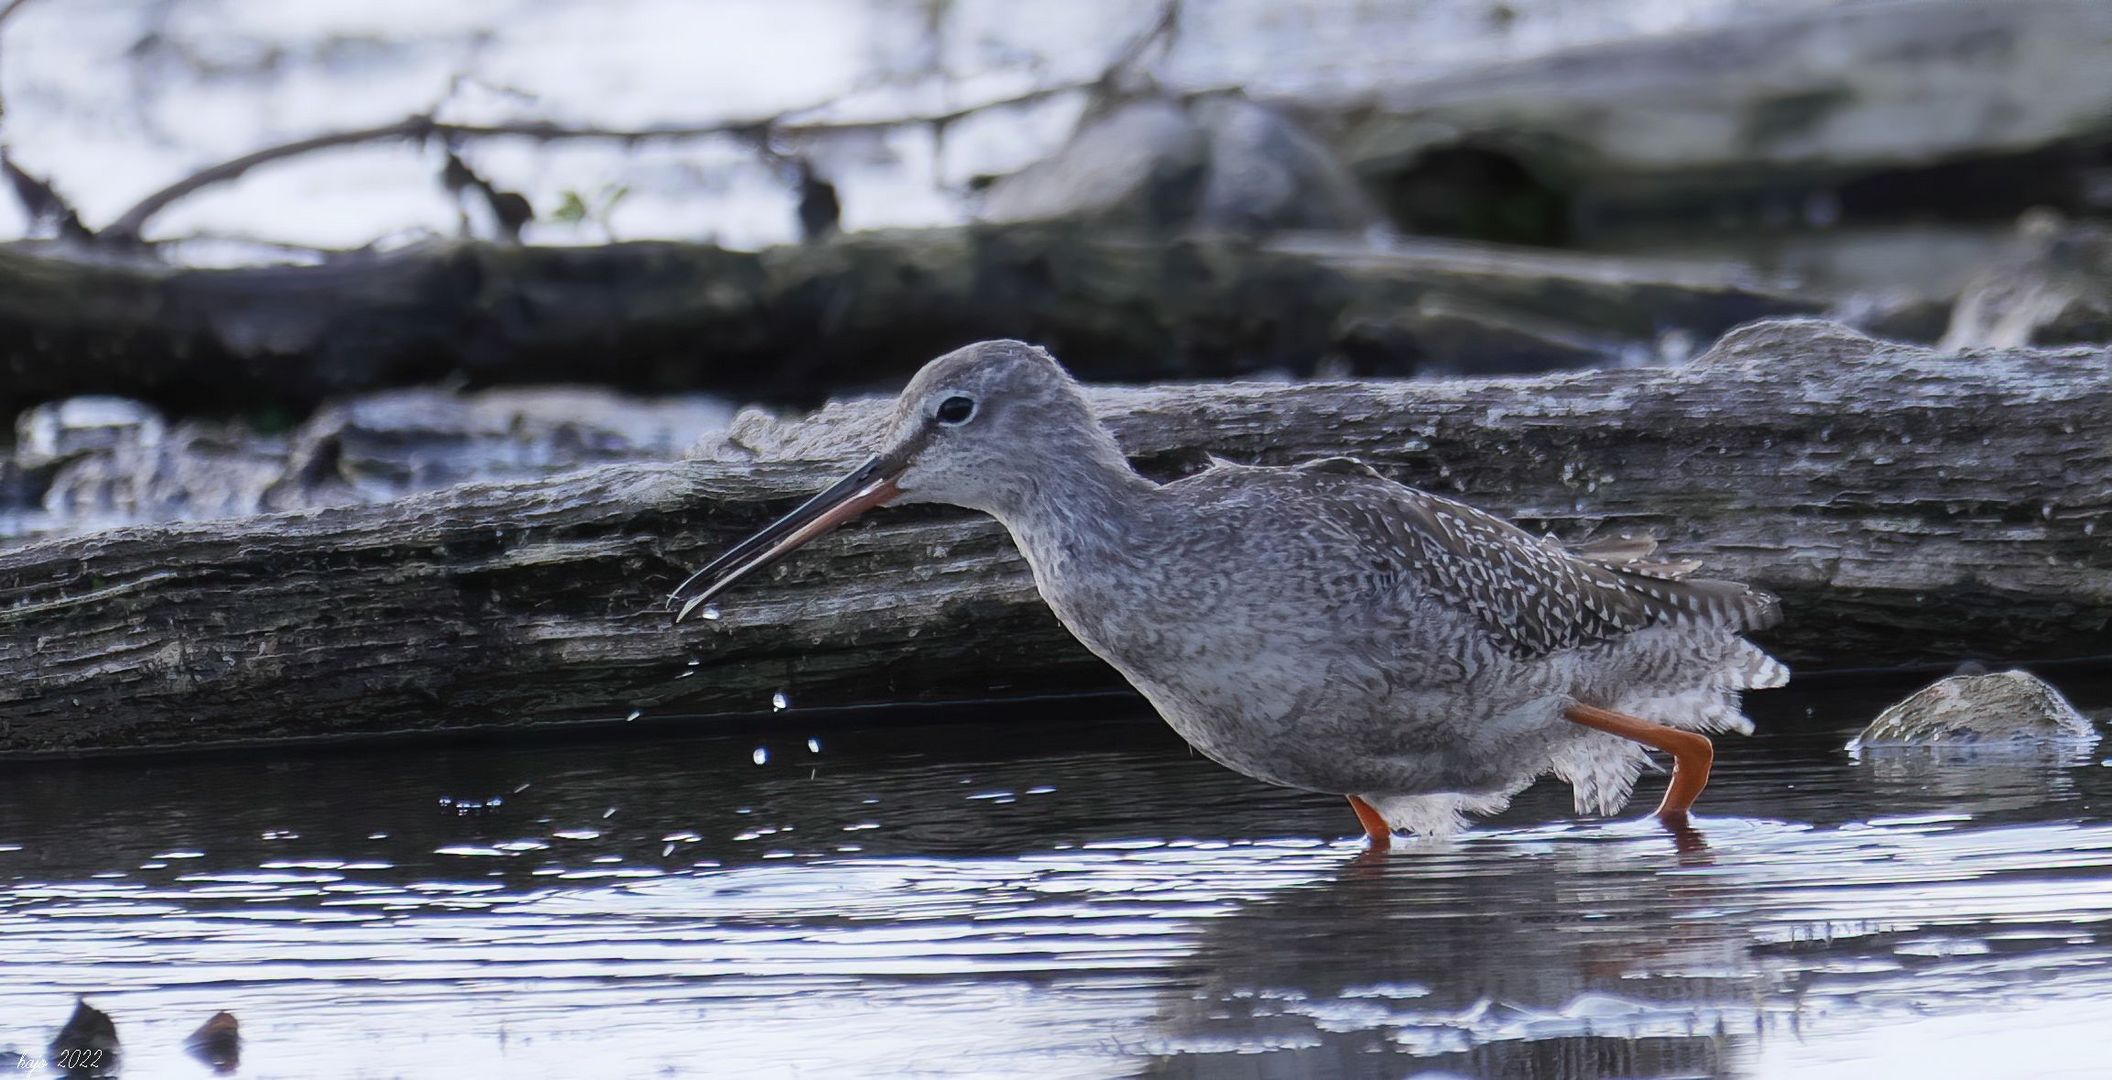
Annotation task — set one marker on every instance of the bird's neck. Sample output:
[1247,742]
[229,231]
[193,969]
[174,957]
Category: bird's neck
[1088,508]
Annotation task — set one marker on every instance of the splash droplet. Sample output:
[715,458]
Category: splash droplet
[779,702]
[710,613]
[813,746]
[635,714]
[761,756]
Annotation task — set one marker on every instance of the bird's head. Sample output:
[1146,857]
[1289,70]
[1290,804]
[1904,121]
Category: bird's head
[981,427]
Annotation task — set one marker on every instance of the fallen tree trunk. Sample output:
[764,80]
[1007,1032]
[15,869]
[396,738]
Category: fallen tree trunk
[1907,506]
[790,324]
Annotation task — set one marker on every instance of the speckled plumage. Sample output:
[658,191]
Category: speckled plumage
[1324,628]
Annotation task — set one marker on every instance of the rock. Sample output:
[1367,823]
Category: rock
[2054,287]
[217,1043]
[1220,162]
[86,1046]
[2009,707]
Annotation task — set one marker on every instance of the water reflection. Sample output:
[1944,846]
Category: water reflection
[1058,899]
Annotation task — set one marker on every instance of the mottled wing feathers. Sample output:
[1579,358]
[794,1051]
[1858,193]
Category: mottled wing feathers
[1531,595]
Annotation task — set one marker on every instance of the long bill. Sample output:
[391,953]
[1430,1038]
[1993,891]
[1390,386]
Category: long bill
[869,485]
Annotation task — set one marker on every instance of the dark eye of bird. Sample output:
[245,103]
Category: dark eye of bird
[956,410]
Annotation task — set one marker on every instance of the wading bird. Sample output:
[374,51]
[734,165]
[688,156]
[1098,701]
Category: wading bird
[1319,627]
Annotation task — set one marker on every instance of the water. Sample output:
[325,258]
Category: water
[1049,895]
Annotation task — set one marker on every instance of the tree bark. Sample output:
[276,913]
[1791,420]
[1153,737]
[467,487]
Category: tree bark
[1908,507]
[791,324]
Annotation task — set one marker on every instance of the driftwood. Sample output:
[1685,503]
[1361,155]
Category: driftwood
[789,324]
[1908,507]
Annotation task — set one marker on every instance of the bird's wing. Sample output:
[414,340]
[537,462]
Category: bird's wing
[1531,595]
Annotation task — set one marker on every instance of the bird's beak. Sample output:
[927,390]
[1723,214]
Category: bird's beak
[869,485]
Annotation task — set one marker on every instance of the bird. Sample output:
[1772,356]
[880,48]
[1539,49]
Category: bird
[1320,626]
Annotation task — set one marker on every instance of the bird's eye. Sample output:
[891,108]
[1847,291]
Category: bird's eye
[956,410]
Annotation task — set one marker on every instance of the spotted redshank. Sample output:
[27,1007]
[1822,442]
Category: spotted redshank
[1320,626]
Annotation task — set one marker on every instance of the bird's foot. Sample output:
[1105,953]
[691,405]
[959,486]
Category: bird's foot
[1686,839]
[1375,827]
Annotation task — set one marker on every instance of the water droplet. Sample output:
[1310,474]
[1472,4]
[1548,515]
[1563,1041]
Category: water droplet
[635,714]
[813,746]
[520,789]
[710,612]
[779,702]
[609,813]
[761,755]
[667,850]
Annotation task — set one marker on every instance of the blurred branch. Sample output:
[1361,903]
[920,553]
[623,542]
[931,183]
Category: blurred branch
[1122,71]
[8,10]
[128,227]
[41,201]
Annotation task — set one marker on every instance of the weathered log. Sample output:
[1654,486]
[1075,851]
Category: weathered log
[1907,505]
[790,324]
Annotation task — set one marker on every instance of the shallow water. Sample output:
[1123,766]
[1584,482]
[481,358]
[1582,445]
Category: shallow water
[1066,895]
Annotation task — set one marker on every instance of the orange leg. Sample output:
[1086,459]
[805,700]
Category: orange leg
[1374,824]
[1691,752]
